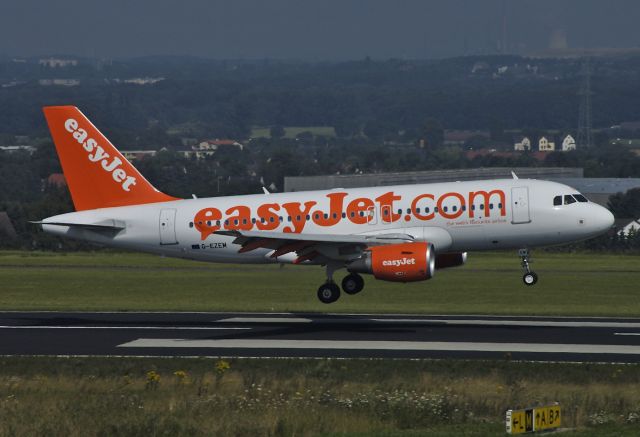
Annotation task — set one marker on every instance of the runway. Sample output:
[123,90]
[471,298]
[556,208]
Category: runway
[320,335]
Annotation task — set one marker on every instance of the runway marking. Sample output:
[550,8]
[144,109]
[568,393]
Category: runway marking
[626,333]
[384,345]
[169,328]
[265,320]
[541,323]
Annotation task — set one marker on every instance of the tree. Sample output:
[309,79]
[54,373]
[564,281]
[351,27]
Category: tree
[432,133]
[626,205]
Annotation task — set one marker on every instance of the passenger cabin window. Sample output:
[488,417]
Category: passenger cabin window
[568,199]
[557,201]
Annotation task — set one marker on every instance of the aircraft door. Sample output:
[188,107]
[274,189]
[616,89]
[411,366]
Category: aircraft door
[372,217]
[168,226]
[520,205]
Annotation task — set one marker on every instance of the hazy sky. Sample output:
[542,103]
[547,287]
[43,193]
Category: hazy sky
[312,30]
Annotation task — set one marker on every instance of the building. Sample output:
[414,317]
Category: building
[524,144]
[568,143]
[57,180]
[597,190]
[214,144]
[57,62]
[630,229]
[461,137]
[208,147]
[327,182]
[544,145]
[11,149]
[58,82]
[143,80]
[136,155]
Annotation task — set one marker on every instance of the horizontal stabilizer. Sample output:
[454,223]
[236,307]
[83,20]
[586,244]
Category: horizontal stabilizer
[107,225]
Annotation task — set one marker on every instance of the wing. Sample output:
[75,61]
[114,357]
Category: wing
[311,248]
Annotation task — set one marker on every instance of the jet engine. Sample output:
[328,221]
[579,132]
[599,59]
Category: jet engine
[446,260]
[405,262]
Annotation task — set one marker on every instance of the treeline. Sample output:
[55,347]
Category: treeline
[377,99]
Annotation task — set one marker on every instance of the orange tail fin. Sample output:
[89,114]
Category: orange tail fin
[97,174]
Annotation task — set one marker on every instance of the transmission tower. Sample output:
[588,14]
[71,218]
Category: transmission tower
[585,135]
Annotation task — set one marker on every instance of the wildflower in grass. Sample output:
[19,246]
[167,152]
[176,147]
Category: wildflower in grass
[181,375]
[222,366]
[153,379]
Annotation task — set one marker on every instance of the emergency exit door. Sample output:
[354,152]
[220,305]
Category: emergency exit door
[520,205]
[168,226]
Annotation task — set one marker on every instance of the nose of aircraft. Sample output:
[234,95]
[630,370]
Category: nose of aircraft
[601,218]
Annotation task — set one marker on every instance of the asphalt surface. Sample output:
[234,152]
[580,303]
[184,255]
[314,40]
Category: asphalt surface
[320,335]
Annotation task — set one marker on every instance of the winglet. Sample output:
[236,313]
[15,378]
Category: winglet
[97,174]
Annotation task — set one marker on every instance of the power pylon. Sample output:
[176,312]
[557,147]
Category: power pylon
[585,134]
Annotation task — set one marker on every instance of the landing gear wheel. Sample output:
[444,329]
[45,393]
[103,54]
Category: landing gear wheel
[352,283]
[530,278]
[328,292]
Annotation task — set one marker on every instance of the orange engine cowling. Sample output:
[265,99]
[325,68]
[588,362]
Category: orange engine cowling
[446,260]
[405,262]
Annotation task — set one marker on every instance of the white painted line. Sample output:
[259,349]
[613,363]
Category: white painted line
[541,323]
[626,333]
[385,345]
[265,320]
[170,328]
[214,313]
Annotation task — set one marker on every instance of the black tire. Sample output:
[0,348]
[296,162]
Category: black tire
[530,278]
[328,292]
[352,283]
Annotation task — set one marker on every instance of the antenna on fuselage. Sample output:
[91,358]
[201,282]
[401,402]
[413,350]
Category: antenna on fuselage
[513,173]
[265,190]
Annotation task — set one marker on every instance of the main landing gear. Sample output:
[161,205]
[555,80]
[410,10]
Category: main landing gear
[352,283]
[329,292]
[530,277]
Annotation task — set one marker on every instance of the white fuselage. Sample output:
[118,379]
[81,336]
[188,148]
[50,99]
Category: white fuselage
[455,217]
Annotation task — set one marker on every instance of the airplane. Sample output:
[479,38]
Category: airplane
[400,233]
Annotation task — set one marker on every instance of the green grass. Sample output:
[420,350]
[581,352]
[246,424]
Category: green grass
[293,131]
[111,396]
[490,283]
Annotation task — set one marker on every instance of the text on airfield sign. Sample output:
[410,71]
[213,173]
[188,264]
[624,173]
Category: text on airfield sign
[533,419]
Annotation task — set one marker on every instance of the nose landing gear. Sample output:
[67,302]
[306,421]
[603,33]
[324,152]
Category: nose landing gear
[530,277]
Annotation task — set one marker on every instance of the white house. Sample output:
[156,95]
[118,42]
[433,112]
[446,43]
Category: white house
[523,145]
[544,145]
[568,143]
[631,229]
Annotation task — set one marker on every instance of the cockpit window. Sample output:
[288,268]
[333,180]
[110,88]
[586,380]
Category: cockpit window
[580,198]
[569,199]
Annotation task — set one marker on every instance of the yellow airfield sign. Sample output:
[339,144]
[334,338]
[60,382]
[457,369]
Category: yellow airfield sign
[533,419]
